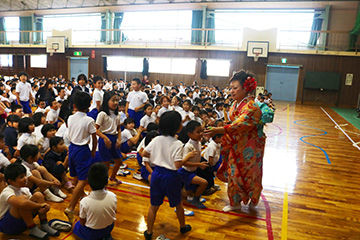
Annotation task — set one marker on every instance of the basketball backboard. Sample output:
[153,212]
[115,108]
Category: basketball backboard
[257,49]
[55,45]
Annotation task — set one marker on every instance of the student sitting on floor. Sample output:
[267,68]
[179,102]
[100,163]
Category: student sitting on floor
[18,206]
[130,137]
[98,210]
[10,132]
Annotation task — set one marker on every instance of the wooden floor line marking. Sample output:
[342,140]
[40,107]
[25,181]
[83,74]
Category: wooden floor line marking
[268,218]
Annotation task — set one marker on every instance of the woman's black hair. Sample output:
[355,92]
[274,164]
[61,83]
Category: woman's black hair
[170,123]
[65,110]
[29,150]
[24,124]
[82,77]
[241,76]
[48,82]
[149,136]
[37,118]
[47,127]
[105,104]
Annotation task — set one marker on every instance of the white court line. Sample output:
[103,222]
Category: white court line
[136,185]
[338,127]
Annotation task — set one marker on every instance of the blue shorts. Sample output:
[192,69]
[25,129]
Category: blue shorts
[11,225]
[136,116]
[26,106]
[112,153]
[144,173]
[125,147]
[93,113]
[139,159]
[186,178]
[86,233]
[217,165]
[79,161]
[165,182]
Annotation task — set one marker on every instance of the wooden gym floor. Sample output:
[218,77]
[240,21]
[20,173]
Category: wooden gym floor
[311,189]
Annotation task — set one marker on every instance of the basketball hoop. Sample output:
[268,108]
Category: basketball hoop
[256,57]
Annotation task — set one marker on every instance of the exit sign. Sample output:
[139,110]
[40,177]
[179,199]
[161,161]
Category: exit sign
[77,53]
[284,60]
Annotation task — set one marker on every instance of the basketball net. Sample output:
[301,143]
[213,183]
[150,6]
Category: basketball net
[256,57]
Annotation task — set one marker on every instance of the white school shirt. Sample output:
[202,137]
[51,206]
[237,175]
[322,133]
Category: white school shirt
[8,192]
[136,99]
[196,95]
[26,138]
[12,97]
[177,108]
[58,98]
[52,115]
[44,142]
[97,96]
[108,123]
[199,120]
[190,146]
[122,117]
[4,161]
[41,110]
[99,209]
[81,127]
[213,150]
[162,111]
[165,151]
[62,129]
[157,88]
[24,90]
[144,159]
[184,114]
[220,114]
[145,120]
[127,134]
[38,133]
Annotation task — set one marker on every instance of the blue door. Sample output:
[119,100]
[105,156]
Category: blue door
[78,66]
[282,82]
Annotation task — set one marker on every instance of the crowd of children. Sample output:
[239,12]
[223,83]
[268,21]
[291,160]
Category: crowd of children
[52,126]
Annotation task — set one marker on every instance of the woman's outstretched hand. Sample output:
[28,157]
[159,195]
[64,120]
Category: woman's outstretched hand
[211,131]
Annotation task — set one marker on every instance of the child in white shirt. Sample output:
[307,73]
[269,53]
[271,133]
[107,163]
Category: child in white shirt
[97,97]
[130,137]
[147,118]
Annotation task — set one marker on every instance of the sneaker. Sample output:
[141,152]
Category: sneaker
[49,196]
[185,229]
[189,199]
[147,235]
[114,181]
[137,176]
[70,215]
[123,166]
[123,173]
[196,202]
[187,212]
[217,187]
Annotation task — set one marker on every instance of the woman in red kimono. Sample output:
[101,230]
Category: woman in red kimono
[242,145]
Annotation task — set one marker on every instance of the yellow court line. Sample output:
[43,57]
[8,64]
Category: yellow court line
[285,203]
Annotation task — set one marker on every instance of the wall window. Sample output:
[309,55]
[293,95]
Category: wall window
[294,25]
[12,26]
[128,64]
[6,60]
[219,68]
[89,22]
[172,65]
[38,61]
[157,25]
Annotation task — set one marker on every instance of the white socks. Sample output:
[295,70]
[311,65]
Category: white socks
[37,233]
[46,228]
[58,192]
[49,196]
[231,208]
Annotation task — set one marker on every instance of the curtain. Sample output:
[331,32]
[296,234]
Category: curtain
[117,24]
[196,23]
[316,26]
[354,33]
[38,27]
[145,67]
[105,66]
[25,25]
[203,71]
[2,29]
[210,23]
[103,27]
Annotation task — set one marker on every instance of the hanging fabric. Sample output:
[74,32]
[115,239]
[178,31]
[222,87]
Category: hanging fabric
[354,33]
[316,26]
[196,35]
[2,29]
[25,25]
[145,71]
[103,27]
[203,71]
[117,24]
[38,39]
[105,67]
[210,23]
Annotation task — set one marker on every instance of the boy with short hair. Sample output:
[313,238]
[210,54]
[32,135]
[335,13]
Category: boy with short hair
[17,110]
[17,206]
[136,100]
[98,210]
[81,129]
[53,115]
[23,93]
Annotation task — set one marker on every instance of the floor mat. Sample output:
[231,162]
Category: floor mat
[349,114]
